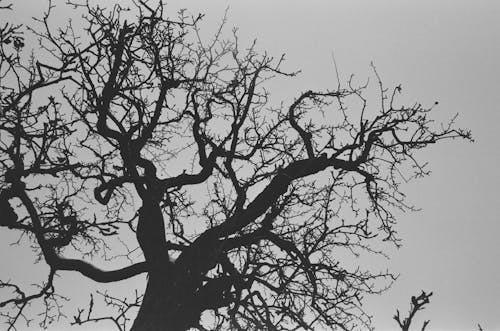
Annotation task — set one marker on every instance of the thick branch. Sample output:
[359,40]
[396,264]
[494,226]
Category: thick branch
[58,263]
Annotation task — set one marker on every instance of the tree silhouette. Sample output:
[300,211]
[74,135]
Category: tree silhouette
[134,128]
[417,303]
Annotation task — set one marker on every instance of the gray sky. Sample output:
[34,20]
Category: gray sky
[446,50]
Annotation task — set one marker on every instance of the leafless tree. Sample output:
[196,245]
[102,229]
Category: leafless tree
[417,303]
[131,126]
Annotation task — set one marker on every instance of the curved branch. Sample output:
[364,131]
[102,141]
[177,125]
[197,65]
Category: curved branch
[292,117]
[58,263]
[99,275]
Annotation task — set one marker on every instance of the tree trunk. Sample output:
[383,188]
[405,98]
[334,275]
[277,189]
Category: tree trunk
[168,303]
[164,305]
[176,293]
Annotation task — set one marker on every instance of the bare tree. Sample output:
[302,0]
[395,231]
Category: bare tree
[417,303]
[134,128]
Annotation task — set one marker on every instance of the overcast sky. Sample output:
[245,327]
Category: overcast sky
[447,51]
[439,50]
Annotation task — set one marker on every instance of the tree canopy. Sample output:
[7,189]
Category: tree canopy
[132,127]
